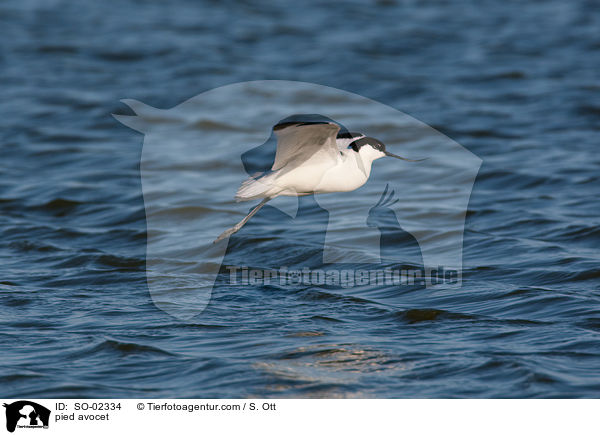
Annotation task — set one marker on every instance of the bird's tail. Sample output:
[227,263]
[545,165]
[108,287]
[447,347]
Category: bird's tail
[255,187]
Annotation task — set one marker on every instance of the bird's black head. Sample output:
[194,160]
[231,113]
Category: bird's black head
[375,143]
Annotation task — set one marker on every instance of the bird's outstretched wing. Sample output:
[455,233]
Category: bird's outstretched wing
[298,142]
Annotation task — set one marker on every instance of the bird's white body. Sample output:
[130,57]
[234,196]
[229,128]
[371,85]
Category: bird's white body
[311,158]
[326,165]
[349,172]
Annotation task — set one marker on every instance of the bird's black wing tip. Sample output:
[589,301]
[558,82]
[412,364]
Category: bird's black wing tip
[282,125]
[343,134]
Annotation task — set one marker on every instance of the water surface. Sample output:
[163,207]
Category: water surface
[516,84]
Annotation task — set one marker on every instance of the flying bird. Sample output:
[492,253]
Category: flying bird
[312,158]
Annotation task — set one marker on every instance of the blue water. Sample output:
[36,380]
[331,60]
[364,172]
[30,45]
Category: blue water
[516,83]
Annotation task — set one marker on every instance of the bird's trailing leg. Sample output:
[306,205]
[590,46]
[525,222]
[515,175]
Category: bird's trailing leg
[239,225]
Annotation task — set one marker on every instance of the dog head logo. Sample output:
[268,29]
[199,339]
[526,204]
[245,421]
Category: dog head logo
[196,154]
[26,414]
